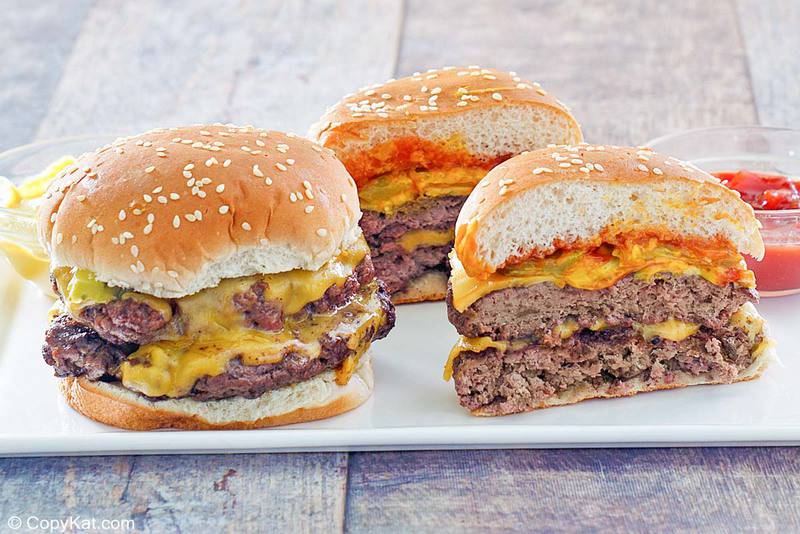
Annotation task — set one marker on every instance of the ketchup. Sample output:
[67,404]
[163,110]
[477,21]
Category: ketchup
[771,195]
[763,191]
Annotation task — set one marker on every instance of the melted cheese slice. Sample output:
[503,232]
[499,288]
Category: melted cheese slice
[603,267]
[390,191]
[170,368]
[414,239]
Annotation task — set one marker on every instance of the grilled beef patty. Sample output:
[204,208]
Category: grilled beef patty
[395,265]
[501,383]
[535,310]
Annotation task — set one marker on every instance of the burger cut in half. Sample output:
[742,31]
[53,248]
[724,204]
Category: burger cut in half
[417,146]
[210,277]
[590,271]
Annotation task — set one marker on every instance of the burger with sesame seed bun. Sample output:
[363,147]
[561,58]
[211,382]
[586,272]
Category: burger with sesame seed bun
[595,271]
[417,146]
[210,277]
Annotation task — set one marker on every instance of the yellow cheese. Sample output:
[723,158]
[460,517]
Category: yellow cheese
[671,329]
[471,344]
[599,268]
[389,192]
[170,368]
[426,238]
[567,329]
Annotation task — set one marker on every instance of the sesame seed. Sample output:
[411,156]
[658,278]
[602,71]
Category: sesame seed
[121,215]
[257,171]
[246,226]
[134,251]
[599,167]
[290,161]
[52,217]
[162,199]
[309,209]
[187,174]
[497,96]
[322,232]
[149,169]
[565,164]
[59,238]
[211,161]
[462,103]
[147,229]
[503,190]
[147,198]
[657,171]
[280,166]
[226,163]
[176,222]
[642,167]
[224,209]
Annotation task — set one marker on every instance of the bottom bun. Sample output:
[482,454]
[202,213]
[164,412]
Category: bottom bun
[317,398]
[430,286]
[765,354]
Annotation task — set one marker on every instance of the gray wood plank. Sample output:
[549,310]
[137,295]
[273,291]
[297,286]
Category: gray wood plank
[34,44]
[275,64]
[233,493]
[599,490]
[769,29]
[629,70]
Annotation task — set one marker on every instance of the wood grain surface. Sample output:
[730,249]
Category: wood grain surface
[629,70]
[604,490]
[233,493]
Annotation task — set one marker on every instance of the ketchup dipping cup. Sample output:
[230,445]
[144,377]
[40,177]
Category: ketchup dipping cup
[766,152]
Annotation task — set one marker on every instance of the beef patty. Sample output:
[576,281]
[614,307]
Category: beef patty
[535,310]
[73,349]
[503,383]
[395,265]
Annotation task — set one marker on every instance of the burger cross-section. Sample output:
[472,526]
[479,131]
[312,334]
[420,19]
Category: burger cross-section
[210,276]
[584,271]
[416,147]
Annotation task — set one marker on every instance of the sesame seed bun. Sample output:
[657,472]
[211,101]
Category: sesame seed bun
[488,112]
[561,196]
[173,211]
[317,398]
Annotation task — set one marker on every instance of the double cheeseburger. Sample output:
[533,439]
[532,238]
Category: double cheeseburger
[417,146]
[593,271]
[210,277]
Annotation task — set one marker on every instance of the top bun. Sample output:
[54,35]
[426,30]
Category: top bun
[173,211]
[492,113]
[566,196]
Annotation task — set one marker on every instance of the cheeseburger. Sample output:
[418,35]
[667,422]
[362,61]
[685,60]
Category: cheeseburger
[418,145]
[590,271]
[210,277]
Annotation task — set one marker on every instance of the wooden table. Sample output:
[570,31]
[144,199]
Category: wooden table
[629,70]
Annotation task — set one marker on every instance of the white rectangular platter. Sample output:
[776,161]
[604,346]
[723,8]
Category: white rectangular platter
[412,407]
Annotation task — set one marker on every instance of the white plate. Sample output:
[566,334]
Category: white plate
[412,408]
